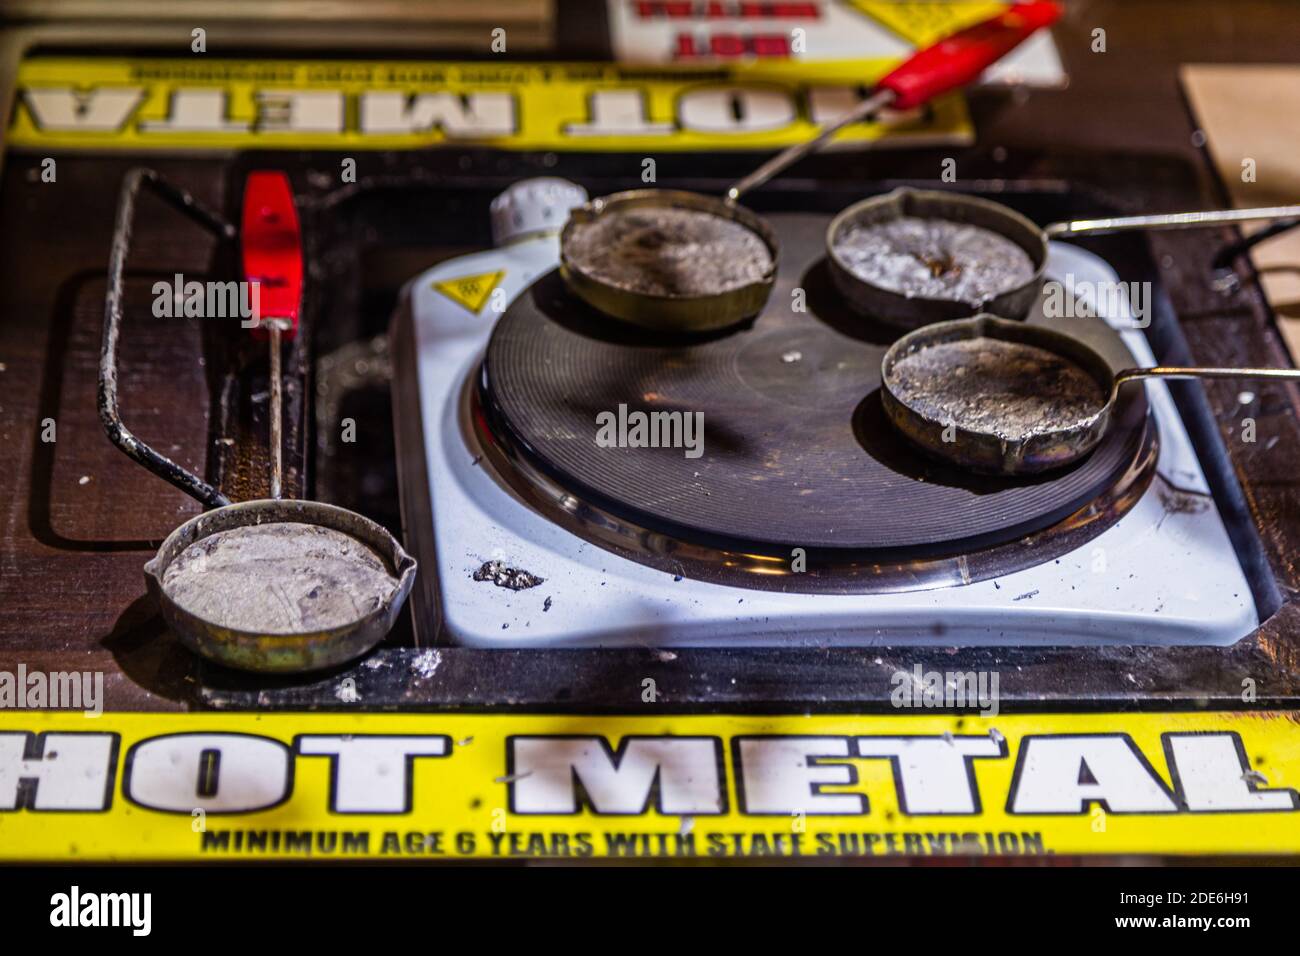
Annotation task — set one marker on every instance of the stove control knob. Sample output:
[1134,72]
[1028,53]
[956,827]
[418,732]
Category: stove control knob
[534,205]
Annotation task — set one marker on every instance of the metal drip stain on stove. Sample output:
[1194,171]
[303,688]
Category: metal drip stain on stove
[512,579]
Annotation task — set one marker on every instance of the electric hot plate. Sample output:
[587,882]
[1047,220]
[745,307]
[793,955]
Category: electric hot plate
[797,452]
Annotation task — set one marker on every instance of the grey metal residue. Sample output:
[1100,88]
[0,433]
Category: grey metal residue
[514,579]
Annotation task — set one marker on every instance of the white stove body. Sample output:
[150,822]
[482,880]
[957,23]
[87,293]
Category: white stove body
[1157,576]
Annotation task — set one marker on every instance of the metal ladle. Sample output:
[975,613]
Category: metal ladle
[253,650]
[897,308]
[982,449]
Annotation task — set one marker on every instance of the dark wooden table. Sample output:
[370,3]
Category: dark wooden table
[80,519]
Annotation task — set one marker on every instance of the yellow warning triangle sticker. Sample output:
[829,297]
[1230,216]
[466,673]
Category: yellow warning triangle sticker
[471,292]
[922,22]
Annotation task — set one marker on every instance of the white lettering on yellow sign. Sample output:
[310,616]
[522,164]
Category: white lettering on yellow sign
[177,104]
[674,775]
[469,116]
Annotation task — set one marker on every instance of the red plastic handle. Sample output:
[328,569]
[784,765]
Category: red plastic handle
[271,246]
[957,60]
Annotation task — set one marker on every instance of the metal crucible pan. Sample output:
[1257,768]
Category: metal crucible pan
[295,645]
[269,585]
[729,281]
[911,307]
[910,257]
[1009,398]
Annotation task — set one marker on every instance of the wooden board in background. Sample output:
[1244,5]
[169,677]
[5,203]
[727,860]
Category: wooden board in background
[1252,112]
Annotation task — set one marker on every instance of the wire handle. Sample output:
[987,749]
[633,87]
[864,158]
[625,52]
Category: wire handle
[1167,371]
[791,155]
[109,414]
[1173,220]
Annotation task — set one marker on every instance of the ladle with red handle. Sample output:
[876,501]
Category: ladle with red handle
[948,65]
[272,257]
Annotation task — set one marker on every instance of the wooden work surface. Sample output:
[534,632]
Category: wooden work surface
[80,519]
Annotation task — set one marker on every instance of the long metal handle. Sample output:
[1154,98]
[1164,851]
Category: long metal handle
[277,403]
[946,64]
[1166,371]
[1175,220]
[118,433]
[792,155]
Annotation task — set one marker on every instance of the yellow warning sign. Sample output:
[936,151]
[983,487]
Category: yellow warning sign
[922,22]
[471,292]
[172,104]
[276,786]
